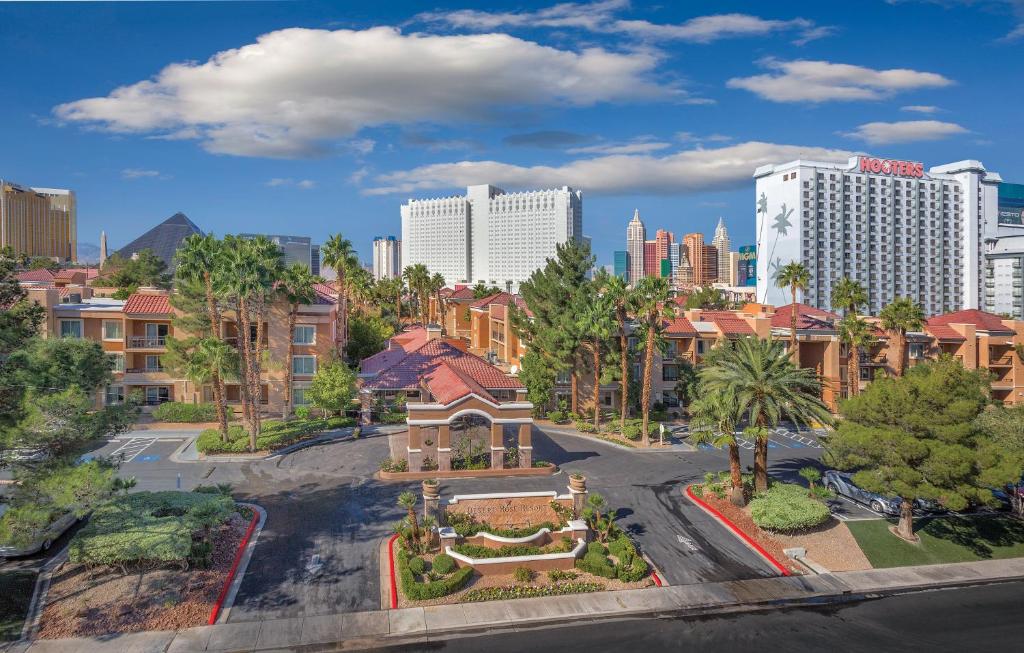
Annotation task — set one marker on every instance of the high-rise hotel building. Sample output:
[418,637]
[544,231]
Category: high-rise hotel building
[488,235]
[898,229]
[387,257]
[38,221]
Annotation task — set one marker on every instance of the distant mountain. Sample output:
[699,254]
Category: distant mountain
[88,253]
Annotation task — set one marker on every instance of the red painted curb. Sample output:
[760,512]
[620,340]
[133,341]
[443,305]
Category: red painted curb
[234,569]
[736,529]
[657,581]
[391,568]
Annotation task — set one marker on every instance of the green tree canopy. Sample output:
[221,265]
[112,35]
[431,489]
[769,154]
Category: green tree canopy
[1001,451]
[367,335]
[707,298]
[333,387]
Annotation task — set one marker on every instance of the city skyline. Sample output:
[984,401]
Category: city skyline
[683,152]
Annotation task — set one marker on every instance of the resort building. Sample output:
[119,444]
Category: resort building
[163,240]
[387,257]
[38,221]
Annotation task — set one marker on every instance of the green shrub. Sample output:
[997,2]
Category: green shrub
[303,412]
[522,574]
[620,545]
[556,416]
[558,575]
[275,434]
[585,427]
[506,551]
[393,418]
[465,525]
[174,411]
[443,564]
[529,592]
[597,564]
[416,591]
[631,432]
[417,566]
[786,508]
[389,465]
[596,547]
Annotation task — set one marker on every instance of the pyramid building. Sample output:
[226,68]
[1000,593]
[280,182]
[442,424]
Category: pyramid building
[164,239]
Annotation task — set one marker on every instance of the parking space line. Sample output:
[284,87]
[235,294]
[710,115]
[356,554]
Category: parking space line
[859,505]
[132,448]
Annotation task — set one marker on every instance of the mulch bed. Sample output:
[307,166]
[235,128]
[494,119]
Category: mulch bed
[85,602]
[742,519]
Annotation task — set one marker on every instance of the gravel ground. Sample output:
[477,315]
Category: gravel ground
[86,602]
[831,545]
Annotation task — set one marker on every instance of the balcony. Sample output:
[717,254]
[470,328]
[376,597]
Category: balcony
[145,376]
[871,361]
[146,342]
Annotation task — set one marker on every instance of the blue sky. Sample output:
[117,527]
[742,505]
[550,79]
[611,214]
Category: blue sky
[311,118]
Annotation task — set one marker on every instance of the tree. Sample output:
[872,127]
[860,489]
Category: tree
[202,361]
[58,363]
[619,294]
[687,387]
[898,317]
[19,325]
[338,253]
[333,387]
[714,418]
[651,307]
[43,263]
[858,335]
[1001,452]
[915,437]
[481,290]
[796,277]
[143,269]
[707,298]
[296,287]
[61,422]
[368,335]
[848,295]
[595,322]
[407,500]
[418,278]
[768,387]
[810,474]
[436,286]
[539,379]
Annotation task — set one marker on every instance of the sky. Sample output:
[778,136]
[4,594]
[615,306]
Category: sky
[313,118]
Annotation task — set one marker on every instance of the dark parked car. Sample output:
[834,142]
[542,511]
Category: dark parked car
[842,484]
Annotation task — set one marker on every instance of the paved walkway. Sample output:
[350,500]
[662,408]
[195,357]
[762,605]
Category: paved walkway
[367,629]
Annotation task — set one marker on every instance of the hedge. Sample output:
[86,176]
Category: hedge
[416,591]
[786,508]
[507,551]
[528,592]
[595,563]
[631,567]
[465,526]
[174,411]
[393,418]
[443,564]
[148,527]
[275,435]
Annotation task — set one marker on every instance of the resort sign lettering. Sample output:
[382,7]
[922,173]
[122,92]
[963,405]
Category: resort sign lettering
[892,167]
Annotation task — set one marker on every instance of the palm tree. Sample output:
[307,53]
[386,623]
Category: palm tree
[848,295]
[436,286]
[360,286]
[796,277]
[858,335]
[338,253]
[198,259]
[618,293]
[269,260]
[768,387]
[595,323]
[650,305]
[898,317]
[407,500]
[417,276]
[714,417]
[389,291]
[297,288]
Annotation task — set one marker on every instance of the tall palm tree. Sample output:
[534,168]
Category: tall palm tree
[337,253]
[650,305]
[898,317]
[618,293]
[417,276]
[269,261]
[198,260]
[713,420]
[360,286]
[296,287]
[241,278]
[436,286]
[389,291]
[794,276]
[848,295]
[768,387]
[595,323]
[857,334]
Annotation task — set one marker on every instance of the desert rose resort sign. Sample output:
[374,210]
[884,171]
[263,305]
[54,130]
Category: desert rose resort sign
[892,167]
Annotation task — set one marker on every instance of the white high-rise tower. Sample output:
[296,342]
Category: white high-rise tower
[721,244]
[636,234]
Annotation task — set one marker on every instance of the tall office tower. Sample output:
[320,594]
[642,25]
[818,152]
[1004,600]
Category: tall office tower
[387,257]
[664,240]
[652,264]
[103,248]
[296,249]
[488,235]
[314,259]
[734,269]
[38,221]
[899,230]
[636,235]
[621,264]
[674,256]
[684,272]
[703,258]
[721,244]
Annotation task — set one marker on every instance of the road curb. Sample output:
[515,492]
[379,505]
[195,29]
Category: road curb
[35,607]
[227,598]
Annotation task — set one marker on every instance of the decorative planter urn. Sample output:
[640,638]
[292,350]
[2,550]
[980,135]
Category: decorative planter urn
[431,489]
[578,483]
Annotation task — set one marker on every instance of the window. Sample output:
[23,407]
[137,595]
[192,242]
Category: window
[157,395]
[562,378]
[916,350]
[118,362]
[153,363]
[70,328]
[113,330]
[114,395]
[305,365]
[669,373]
[305,334]
[700,347]
[299,397]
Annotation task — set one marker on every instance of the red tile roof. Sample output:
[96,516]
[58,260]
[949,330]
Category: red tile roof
[497,298]
[462,293]
[728,322]
[980,319]
[943,331]
[398,347]
[807,318]
[325,294]
[680,327]
[447,384]
[35,276]
[420,363]
[445,292]
[143,304]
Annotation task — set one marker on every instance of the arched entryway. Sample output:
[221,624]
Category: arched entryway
[472,427]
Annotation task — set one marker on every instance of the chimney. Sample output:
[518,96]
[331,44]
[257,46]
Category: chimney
[433,332]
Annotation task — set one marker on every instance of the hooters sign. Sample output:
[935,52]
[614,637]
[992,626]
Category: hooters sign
[892,167]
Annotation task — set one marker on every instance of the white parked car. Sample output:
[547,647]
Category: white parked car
[45,539]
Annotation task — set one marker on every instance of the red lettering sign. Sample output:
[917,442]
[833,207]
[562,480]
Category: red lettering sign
[892,167]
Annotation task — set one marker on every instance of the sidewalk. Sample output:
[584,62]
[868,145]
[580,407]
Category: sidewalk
[367,629]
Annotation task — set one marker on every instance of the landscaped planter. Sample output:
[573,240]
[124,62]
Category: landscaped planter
[506,565]
[546,470]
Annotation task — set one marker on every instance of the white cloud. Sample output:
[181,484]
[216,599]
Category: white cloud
[288,182]
[690,137]
[689,171]
[641,145]
[824,81]
[602,17]
[920,108]
[294,92]
[139,173]
[908,131]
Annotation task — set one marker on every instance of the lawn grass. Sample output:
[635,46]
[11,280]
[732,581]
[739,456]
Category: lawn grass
[17,587]
[943,539]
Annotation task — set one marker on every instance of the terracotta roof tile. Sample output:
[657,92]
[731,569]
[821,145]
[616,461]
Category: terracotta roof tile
[420,362]
[729,323]
[398,346]
[447,384]
[143,304]
[807,318]
[35,276]
[325,294]
[680,327]
[980,319]
[497,298]
[943,332]
[462,293]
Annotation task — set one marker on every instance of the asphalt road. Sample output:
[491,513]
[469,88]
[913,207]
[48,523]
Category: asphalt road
[977,619]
